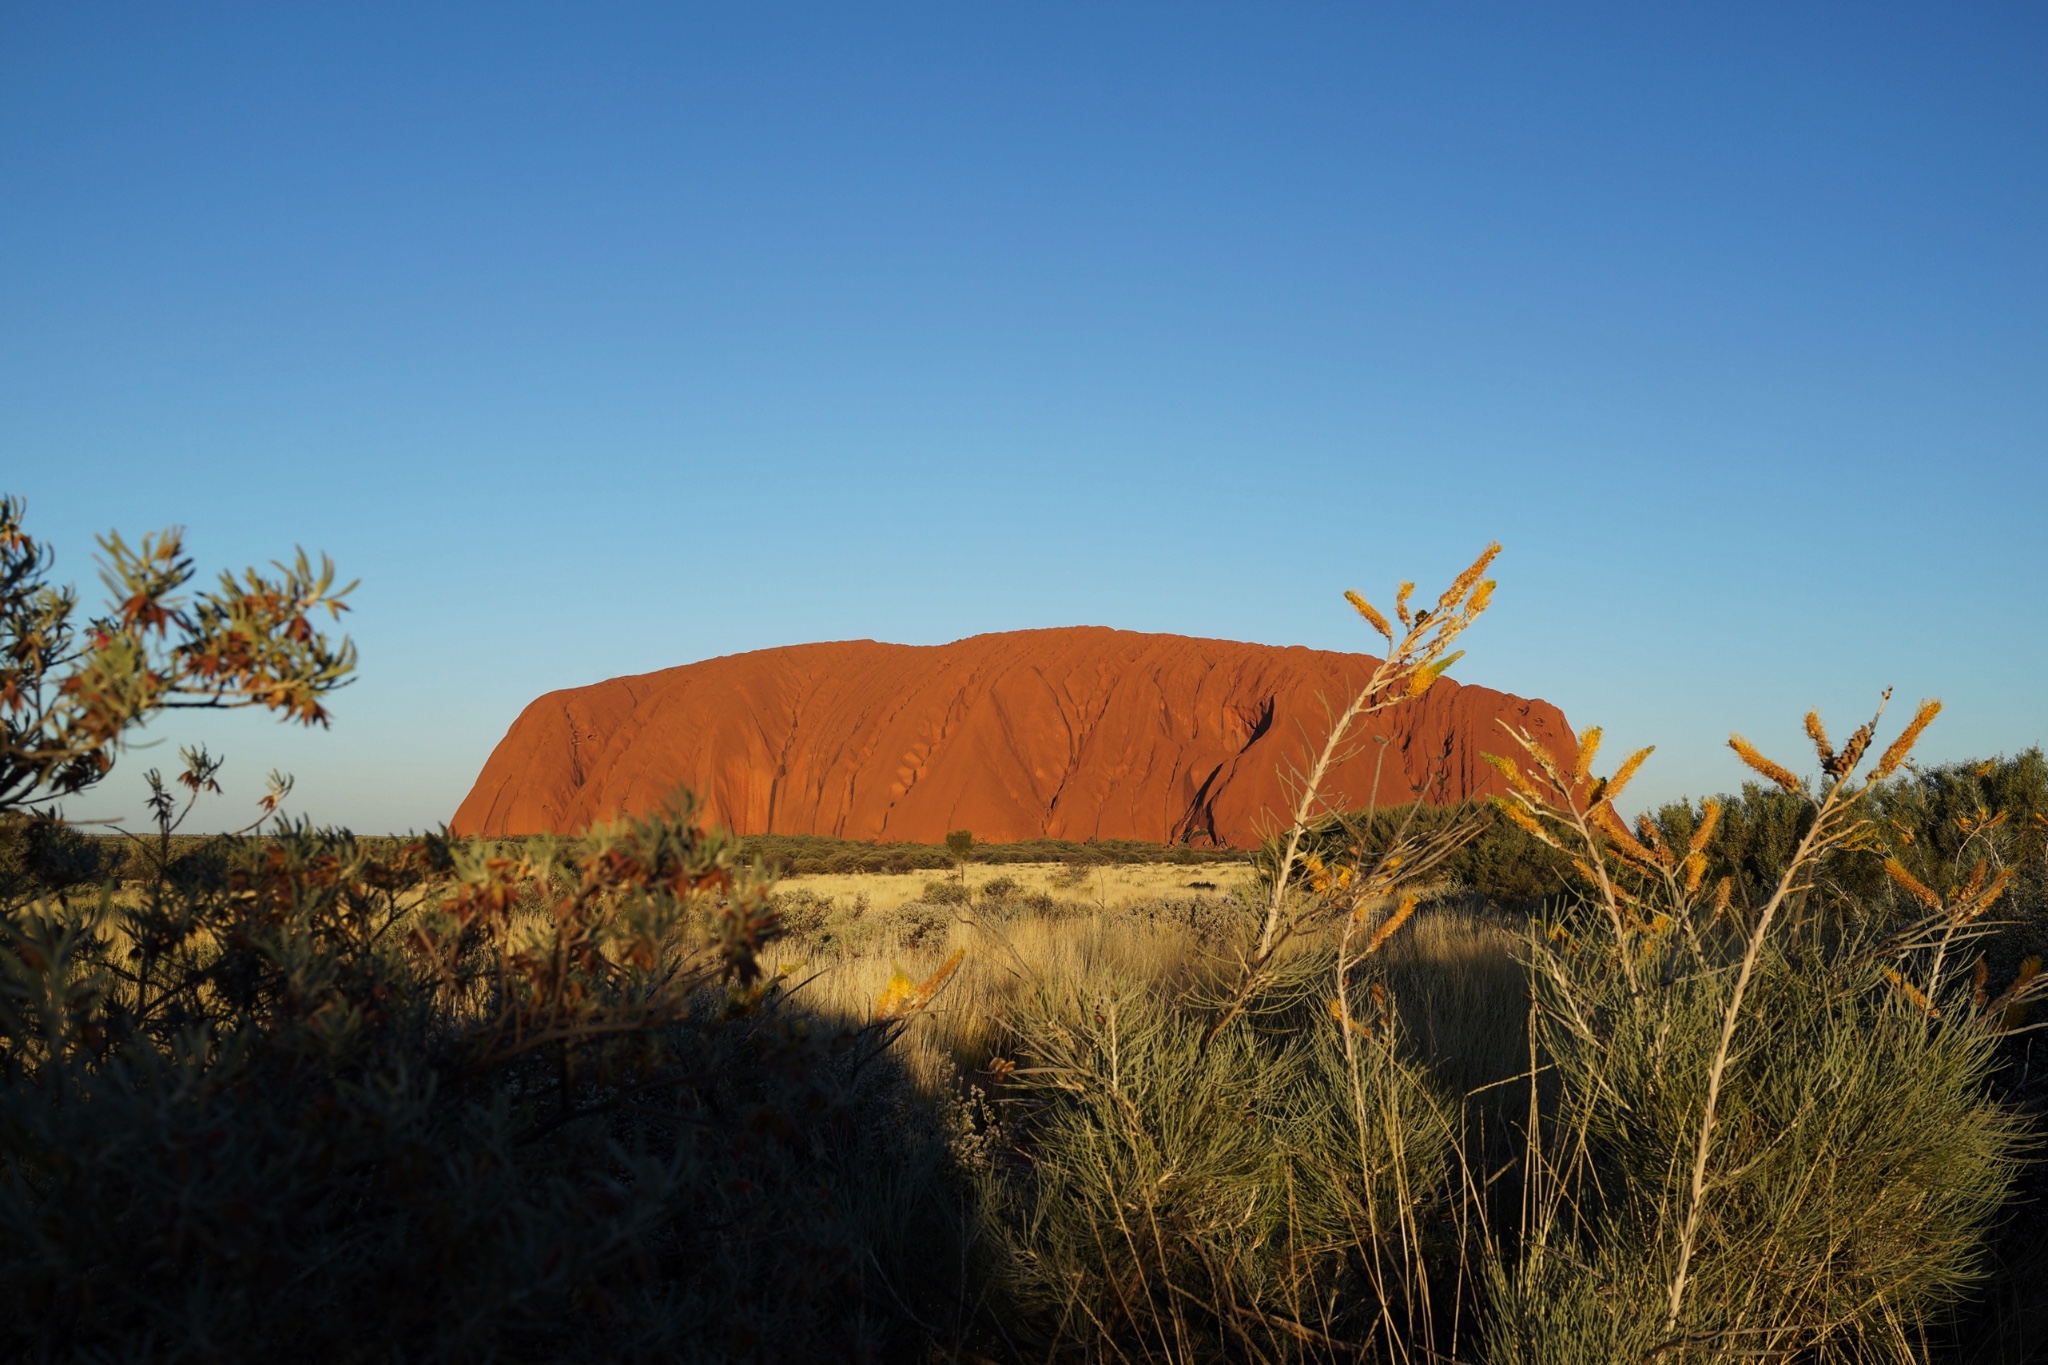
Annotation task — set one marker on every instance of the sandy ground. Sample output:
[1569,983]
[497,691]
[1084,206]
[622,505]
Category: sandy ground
[1107,886]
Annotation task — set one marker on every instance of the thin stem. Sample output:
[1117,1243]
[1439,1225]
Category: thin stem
[1815,839]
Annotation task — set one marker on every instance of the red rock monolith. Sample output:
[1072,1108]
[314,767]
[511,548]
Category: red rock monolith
[1075,733]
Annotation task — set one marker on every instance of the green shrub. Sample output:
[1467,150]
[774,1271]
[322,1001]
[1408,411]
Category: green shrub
[947,893]
[449,1105]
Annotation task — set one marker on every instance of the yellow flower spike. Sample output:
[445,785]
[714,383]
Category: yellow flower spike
[1748,753]
[1521,817]
[1481,597]
[1464,581]
[1401,604]
[1425,677]
[1724,892]
[1371,614]
[1589,745]
[1695,866]
[898,991]
[1903,745]
[903,996]
[1626,772]
[1508,768]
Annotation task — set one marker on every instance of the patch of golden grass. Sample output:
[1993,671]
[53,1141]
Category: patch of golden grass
[1106,886]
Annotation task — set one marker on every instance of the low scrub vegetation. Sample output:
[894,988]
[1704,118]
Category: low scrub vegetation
[1743,1079]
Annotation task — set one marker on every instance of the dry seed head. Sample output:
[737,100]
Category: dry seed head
[1852,752]
[1370,613]
[1970,889]
[1978,977]
[1977,902]
[1747,752]
[1903,745]
[1589,744]
[1816,732]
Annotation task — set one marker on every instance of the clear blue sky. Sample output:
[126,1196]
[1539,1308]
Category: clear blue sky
[596,339]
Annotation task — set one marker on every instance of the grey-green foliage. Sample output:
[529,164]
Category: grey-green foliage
[1857,1162]
[1190,1197]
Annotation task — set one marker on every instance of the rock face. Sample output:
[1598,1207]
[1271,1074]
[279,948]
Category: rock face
[1077,733]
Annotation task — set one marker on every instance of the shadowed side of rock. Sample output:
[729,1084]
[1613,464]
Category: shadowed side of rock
[1075,733]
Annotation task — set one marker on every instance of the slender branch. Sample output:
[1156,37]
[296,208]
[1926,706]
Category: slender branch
[1816,838]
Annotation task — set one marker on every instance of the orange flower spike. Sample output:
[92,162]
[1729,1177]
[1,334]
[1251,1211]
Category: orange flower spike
[1391,925]
[1913,994]
[1900,748]
[1748,753]
[1710,817]
[1911,884]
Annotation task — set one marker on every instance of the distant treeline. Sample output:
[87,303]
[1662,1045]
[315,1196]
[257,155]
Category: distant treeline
[808,854]
[1921,816]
